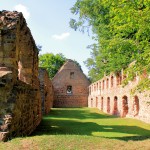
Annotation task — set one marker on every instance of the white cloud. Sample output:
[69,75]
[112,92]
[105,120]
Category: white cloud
[61,36]
[23,9]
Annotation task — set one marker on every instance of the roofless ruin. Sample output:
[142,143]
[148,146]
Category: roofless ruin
[26,91]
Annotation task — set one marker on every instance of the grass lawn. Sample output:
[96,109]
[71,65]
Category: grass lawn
[84,129]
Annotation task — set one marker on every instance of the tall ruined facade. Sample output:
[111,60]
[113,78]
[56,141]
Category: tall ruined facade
[20,101]
[70,86]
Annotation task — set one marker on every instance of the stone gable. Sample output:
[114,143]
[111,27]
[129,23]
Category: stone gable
[70,86]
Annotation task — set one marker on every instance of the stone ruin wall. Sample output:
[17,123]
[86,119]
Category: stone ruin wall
[109,96]
[46,89]
[20,101]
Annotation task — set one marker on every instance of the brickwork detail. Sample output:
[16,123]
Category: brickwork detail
[111,97]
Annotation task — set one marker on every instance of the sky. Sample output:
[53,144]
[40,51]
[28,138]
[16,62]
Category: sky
[48,21]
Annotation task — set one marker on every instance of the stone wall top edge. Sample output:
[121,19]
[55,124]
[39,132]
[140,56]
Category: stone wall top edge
[9,20]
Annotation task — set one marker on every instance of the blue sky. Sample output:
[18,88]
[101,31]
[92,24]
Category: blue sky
[49,24]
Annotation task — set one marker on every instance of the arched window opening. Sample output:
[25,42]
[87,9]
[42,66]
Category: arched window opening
[135,106]
[124,106]
[115,106]
[108,104]
[118,79]
[69,89]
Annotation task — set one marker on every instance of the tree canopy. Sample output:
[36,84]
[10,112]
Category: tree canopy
[51,62]
[121,29]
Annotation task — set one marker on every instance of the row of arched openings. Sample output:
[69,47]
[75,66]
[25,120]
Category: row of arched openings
[125,107]
[100,85]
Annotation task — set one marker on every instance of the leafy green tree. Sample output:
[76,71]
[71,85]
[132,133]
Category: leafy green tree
[51,62]
[121,29]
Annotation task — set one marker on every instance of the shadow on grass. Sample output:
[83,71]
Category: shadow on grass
[77,113]
[53,125]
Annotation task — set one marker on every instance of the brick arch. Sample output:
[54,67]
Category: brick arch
[108,104]
[135,105]
[118,78]
[115,106]
[124,106]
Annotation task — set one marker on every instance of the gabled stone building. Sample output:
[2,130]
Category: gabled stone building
[70,86]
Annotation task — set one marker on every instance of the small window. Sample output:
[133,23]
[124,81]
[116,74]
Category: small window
[69,89]
[71,75]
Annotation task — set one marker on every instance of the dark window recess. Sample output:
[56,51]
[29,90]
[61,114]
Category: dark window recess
[71,75]
[69,89]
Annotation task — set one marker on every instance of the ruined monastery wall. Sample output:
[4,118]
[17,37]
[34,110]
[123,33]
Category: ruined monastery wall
[20,100]
[109,96]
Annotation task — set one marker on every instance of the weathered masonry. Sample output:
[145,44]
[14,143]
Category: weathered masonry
[20,98]
[46,91]
[70,86]
[109,96]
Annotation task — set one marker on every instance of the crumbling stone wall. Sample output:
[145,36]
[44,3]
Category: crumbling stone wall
[20,101]
[46,89]
[110,96]
[70,86]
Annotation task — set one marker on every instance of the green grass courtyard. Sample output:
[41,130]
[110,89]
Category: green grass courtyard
[84,129]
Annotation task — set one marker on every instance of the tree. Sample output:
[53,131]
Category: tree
[121,29]
[51,62]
